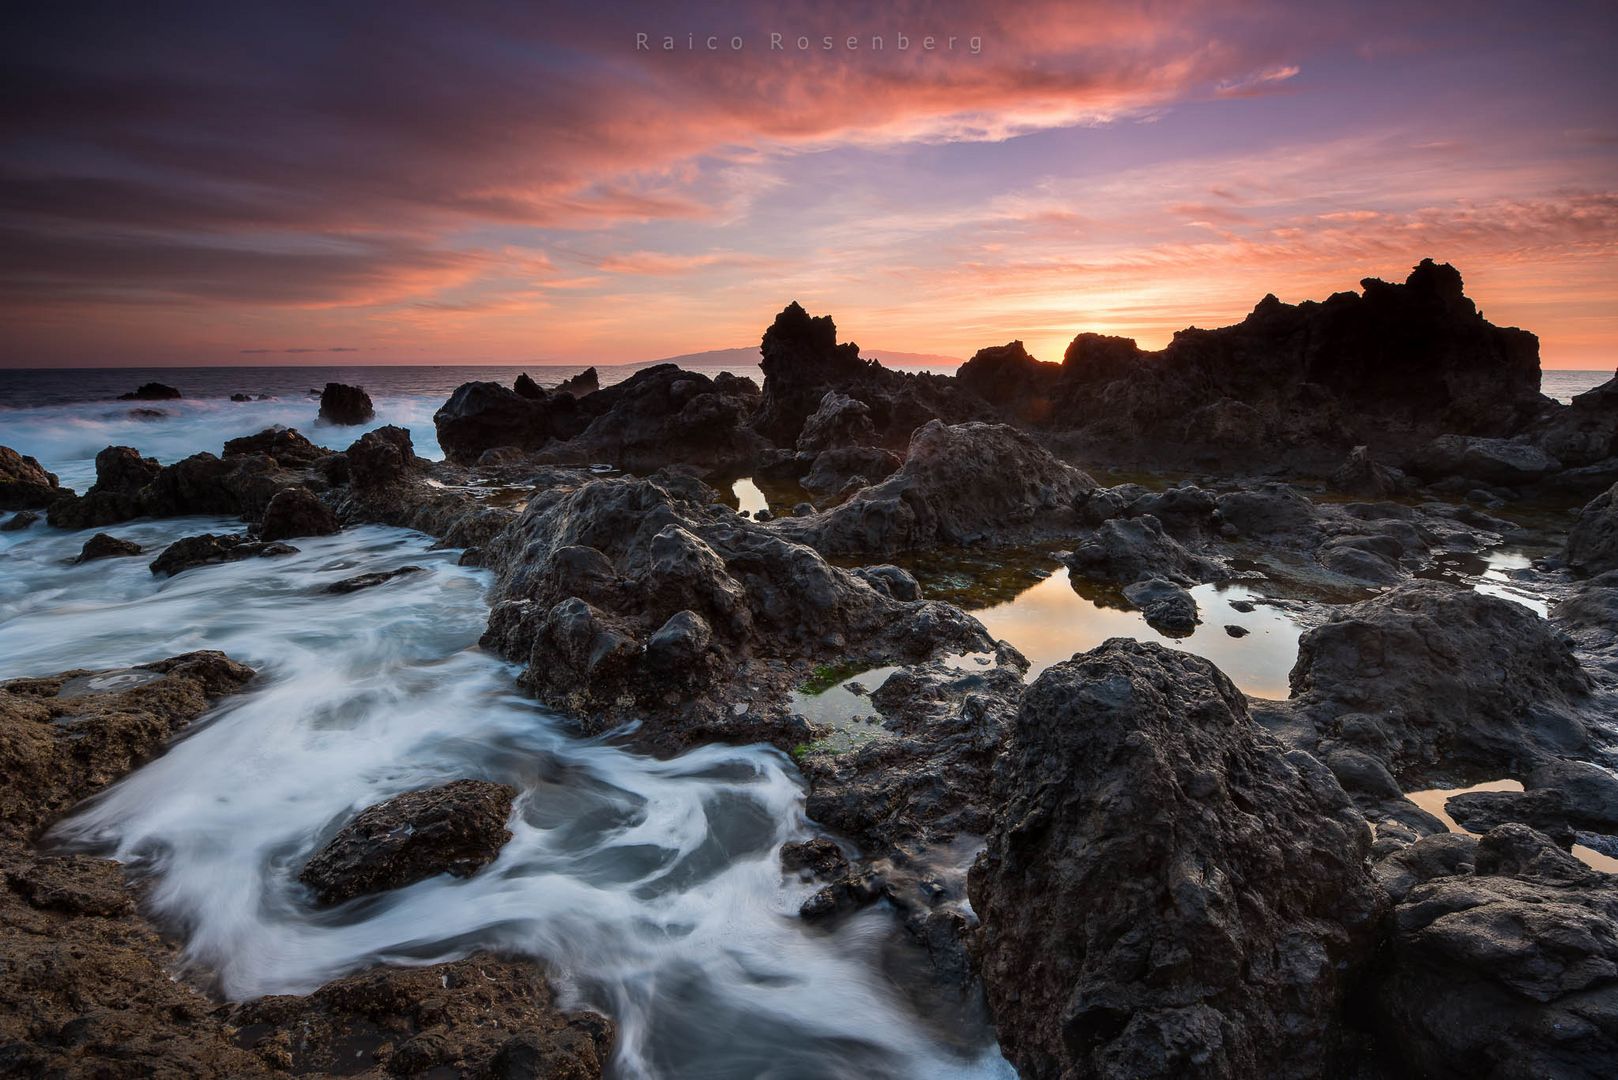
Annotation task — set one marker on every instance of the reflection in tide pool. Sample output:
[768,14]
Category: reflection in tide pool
[1435,800]
[1051,621]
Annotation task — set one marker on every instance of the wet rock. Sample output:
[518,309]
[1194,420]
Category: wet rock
[121,470]
[960,485]
[585,382]
[838,422]
[1124,550]
[287,446]
[345,405]
[208,549]
[19,521]
[484,1016]
[526,387]
[369,581]
[1204,904]
[1511,969]
[454,829]
[1433,680]
[380,458]
[103,546]
[152,391]
[68,735]
[295,512]
[1267,510]
[1592,543]
[1168,608]
[24,483]
[1543,811]
[1236,631]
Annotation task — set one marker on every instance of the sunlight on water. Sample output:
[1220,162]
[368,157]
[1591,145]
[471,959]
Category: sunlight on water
[1050,621]
[652,887]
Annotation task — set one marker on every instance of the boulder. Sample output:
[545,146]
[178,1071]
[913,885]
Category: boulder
[345,405]
[152,391]
[24,483]
[1436,681]
[833,470]
[1168,608]
[1125,550]
[19,521]
[481,415]
[959,485]
[1507,967]
[295,512]
[454,829]
[103,546]
[208,549]
[380,458]
[1592,543]
[1167,891]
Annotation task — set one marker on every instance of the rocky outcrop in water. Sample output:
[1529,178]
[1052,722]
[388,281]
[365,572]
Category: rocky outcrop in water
[345,405]
[24,483]
[286,446]
[585,382]
[959,485]
[210,549]
[481,416]
[103,546]
[152,391]
[1592,543]
[1504,963]
[454,829]
[368,581]
[1166,890]
[296,511]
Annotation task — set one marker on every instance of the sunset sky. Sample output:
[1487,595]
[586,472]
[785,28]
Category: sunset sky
[484,183]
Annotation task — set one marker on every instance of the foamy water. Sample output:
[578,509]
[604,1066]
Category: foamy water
[652,888]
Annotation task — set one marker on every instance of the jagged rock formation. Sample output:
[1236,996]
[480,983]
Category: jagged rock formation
[296,511]
[585,382]
[24,483]
[103,546]
[1167,891]
[1592,543]
[210,549]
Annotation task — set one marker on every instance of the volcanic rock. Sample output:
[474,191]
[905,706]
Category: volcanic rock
[287,446]
[1203,901]
[585,382]
[295,512]
[526,387]
[345,405]
[208,549]
[839,421]
[1168,608]
[103,546]
[24,483]
[1592,543]
[454,829]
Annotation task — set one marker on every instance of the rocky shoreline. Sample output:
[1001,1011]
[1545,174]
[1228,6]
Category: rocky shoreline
[1168,878]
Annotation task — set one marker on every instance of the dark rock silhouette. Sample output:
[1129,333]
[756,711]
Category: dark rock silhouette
[1167,891]
[454,829]
[287,446]
[585,382]
[345,405]
[526,387]
[152,391]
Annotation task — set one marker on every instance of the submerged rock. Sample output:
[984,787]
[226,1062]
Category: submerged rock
[19,521]
[454,829]
[345,405]
[208,549]
[295,512]
[369,581]
[1167,892]
[103,546]
[24,483]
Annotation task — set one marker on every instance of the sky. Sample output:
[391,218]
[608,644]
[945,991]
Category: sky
[538,182]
